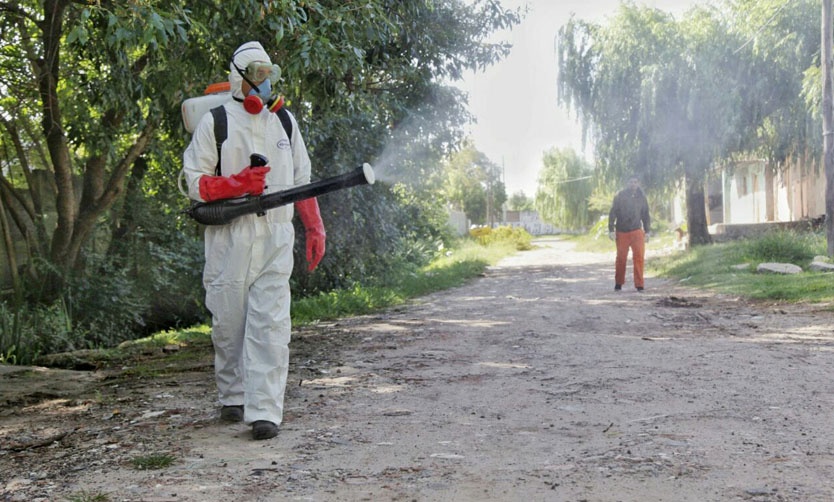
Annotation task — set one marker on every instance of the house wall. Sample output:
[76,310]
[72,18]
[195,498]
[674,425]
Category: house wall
[458,221]
[782,197]
[529,221]
[745,197]
[678,209]
[814,187]
[751,193]
[754,192]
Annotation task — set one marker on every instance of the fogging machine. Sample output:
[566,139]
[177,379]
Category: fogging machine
[222,212]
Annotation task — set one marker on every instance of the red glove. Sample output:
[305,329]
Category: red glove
[251,180]
[254,178]
[308,210]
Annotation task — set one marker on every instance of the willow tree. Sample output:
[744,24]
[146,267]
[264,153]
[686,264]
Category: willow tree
[781,46]
[784,85]
[654,97]
[564,189]
[671,100]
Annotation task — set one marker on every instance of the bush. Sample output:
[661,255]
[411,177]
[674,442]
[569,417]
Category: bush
[152,282]
[783,246]
[485,236]
[106,305]
[28,331]
[600,228]
[372,234]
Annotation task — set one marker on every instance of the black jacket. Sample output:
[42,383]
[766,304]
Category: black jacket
[630,211]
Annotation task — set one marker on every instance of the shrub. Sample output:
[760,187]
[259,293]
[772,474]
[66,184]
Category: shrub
[30,330]
[520,238]
[600,228]
[783,246]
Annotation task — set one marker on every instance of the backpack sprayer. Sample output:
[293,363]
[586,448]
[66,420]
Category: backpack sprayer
[224,211]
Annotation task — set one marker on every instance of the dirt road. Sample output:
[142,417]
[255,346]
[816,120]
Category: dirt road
[536,382]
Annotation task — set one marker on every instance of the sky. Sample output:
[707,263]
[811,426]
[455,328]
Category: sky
[514,101]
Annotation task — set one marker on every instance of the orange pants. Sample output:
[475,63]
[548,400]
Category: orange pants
[636,241]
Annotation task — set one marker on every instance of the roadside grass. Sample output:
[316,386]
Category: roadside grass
[153,461]
[713,267]
[181,350]
[454,269]
[719,267]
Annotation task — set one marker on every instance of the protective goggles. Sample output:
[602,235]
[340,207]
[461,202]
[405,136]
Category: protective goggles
[256,72]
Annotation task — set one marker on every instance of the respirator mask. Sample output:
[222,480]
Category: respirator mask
[261,94]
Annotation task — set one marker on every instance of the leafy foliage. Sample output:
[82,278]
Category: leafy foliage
[473,185]
[27,331]
[519,238]
[91,137]
[565,187]
[519,201]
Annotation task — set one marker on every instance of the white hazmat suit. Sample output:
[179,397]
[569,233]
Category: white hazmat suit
[249,261]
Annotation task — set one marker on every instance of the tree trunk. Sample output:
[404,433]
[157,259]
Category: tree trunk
[828,125]
[48,69]
[8,244]
[696,212]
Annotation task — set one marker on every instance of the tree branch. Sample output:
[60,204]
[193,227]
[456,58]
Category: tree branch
[88,215]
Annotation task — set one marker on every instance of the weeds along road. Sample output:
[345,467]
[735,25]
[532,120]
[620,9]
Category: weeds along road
[536,382]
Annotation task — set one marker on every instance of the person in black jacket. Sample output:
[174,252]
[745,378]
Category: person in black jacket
[629,216]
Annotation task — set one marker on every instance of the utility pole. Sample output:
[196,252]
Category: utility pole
[828,124]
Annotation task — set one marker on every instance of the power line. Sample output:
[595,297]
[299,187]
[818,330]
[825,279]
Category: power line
[571,181]
[762,27]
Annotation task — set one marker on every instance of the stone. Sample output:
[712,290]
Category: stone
[778,268]
[821,266]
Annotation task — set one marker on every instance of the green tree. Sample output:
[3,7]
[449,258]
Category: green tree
[781,46]
[91,129]
[628,80]
[79,117]
[473,185]
[519,201]
[105,81]
[564,189]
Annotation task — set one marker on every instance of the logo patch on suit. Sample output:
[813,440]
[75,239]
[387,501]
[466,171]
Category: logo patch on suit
[284,144]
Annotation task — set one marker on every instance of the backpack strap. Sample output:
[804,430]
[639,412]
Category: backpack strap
[284,115]
[221,131]
[221,128]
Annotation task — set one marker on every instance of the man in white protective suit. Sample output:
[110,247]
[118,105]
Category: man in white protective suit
[249,261]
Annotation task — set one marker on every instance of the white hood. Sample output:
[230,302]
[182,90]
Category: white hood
[245,54]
